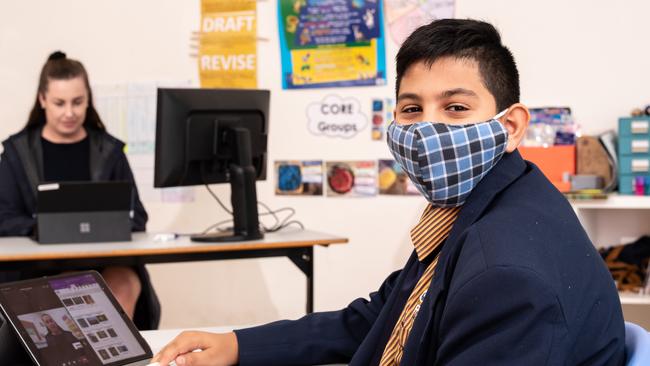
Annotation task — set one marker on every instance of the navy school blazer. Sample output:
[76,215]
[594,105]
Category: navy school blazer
[518,282]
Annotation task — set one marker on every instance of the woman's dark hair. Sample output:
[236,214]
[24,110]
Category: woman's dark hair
[464,39]
[59,67]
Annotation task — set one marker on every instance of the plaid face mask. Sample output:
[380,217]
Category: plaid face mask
[445,162]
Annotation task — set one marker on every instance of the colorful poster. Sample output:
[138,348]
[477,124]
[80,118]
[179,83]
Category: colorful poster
[404,16]
[351,178]
[331,43]
[299,178]
[393,180]
[335,116]
[382,116]
[228,44]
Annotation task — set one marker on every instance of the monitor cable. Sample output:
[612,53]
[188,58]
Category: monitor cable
[277,226]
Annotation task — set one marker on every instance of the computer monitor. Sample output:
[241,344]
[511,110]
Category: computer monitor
[206,136]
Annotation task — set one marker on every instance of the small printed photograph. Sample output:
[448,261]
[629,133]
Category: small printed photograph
[102,334]
[351,178]
[88,299]
[113,351]
[299,178]
[104,354]
[82,322]
[77,300]
[122,349]
[92,320]
[93,338]
[111,332]
[102,318]
[68,302]
[382,115]
[393,180]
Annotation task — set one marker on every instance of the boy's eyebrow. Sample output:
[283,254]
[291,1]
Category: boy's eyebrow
[458,91]
[408,96]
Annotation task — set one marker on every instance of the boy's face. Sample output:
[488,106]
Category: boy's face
[450,91]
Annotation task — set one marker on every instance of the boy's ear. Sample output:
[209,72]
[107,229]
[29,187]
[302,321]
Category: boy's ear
[516,122]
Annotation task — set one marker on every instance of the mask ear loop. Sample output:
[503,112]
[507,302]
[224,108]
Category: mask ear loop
[500,114]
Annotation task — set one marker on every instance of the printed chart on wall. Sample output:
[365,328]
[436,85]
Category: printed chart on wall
[393,180]
[331,43]
[129,112]
[304,178]
[228,44]
[351,178]
[404,16]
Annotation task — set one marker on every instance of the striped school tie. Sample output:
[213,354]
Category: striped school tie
[433,228]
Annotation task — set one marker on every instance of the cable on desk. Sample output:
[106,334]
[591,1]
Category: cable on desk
[277,226]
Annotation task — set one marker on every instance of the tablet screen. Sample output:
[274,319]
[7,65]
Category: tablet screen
[71,321]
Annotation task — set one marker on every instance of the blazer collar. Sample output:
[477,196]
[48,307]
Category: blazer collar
[511,167]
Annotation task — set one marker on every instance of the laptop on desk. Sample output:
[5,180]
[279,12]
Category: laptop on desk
[67,320]
[76,212]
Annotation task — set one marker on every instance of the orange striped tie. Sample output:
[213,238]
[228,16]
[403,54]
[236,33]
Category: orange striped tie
[433,228]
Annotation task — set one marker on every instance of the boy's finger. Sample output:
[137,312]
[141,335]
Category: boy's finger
[204,358]
[183,343]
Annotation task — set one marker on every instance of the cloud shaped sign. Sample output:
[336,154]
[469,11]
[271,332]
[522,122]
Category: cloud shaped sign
[336,117]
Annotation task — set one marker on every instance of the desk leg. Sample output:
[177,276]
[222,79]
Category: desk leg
[303,258]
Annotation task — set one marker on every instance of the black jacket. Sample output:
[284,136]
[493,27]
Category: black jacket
[517,283]
[21,170]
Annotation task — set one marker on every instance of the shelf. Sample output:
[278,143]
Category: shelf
[634,299]
[615,201]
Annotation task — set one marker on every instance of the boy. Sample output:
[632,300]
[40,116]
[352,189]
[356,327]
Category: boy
[502,272]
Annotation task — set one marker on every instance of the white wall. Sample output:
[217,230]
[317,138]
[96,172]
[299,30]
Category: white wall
[590,55]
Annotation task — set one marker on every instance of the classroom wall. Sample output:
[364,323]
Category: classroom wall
[589,55]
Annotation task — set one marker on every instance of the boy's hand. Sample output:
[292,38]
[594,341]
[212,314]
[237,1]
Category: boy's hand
[216,350]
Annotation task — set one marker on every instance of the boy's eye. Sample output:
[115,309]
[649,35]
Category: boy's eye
[457,108]
[411,109]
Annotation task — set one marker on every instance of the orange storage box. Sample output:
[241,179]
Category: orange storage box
[555,162]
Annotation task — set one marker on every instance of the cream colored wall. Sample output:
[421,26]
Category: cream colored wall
[590,55]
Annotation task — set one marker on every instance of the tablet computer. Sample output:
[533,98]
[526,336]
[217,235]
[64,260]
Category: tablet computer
[83,212]
[72,320]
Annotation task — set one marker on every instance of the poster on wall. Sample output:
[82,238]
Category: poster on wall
[333,43]
[393,180]
[404,16]
[336,116]
[228,44]
[128,111]
[299,178]
[351,178]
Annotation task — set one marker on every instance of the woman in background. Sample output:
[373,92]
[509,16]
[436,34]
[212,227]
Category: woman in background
[65,140]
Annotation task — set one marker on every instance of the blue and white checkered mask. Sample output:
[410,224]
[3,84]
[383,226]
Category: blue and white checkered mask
[445,162]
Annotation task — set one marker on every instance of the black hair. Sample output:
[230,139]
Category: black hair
[59,67]
[464,39]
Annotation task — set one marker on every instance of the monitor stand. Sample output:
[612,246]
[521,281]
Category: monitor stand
[13,354]
[243,197]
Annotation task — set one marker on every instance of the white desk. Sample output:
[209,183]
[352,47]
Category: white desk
[18,253]
[157,339]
